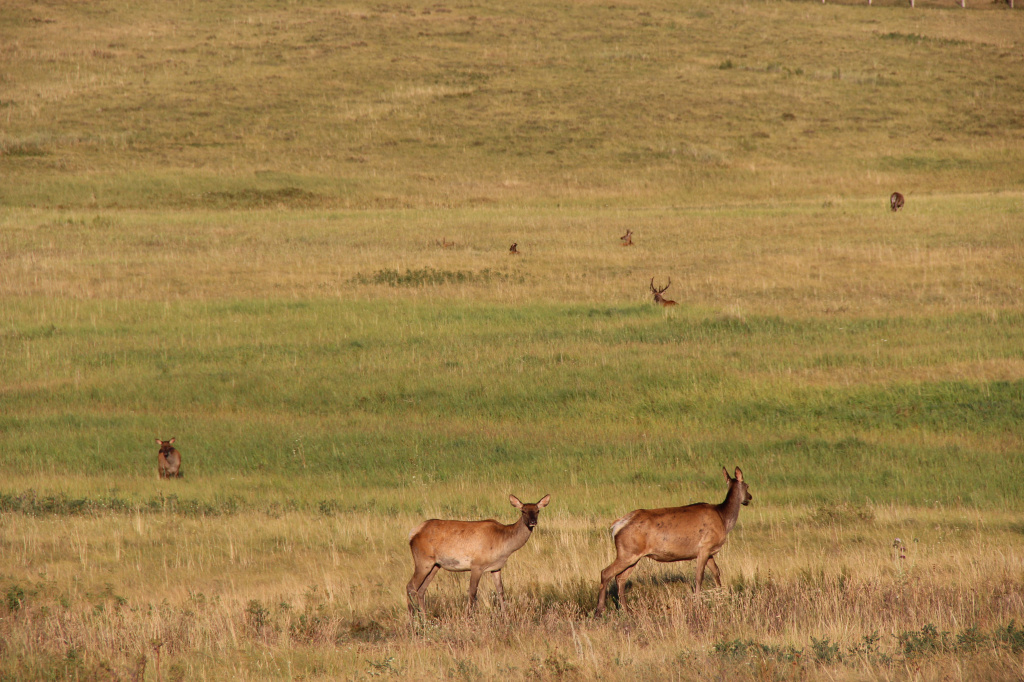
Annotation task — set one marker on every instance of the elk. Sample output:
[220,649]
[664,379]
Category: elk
[658,298]
[627,239]
[696,531]
[168,460]
[514,249]
[474,546]
[896,201]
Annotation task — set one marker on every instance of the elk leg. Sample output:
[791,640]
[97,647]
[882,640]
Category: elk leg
[496,576]
[620,584]
[717,574]
[474,580]
[417,587]
[616,567]
[702,560]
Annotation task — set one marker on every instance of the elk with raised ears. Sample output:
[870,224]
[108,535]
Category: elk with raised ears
[475,546]
[627,239]
[658,298]
[696,531]
[168,459]
[514,249]
[896,201]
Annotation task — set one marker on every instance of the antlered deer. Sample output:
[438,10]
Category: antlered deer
[168,460]
[514,249]
[627,239]
[474,546]
[696,531]
[658,298]
[896,201]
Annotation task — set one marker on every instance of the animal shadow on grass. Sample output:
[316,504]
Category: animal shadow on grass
[684,581]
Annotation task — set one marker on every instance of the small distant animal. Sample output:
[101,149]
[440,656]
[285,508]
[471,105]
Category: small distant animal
[896,201]
[475,546]
[514,249]
[168,460]
[627,239]
[696,531]
[445,244]
[658,298]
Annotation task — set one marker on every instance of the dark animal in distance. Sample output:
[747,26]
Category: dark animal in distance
[168,460]
[658,298]
[627,239]
[696,531]
[896,201]
[514,249]
[475,546]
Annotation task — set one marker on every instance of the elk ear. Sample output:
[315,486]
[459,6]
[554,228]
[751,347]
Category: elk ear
[515,501]
[159,442]
[544,501]
[172,439]
[726,473]
[739,475]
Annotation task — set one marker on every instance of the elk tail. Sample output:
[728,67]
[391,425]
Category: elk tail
[415,531]
[622,523]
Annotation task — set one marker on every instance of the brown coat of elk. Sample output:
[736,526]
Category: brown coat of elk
[168,460]
[658,298]
[627,239]
[896,201]
[475,546]
[696,531]
[514,249]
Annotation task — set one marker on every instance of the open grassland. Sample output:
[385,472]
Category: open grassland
[280,233]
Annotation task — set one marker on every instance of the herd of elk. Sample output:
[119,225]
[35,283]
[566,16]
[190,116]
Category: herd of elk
[696,531]
[475,546]
[168,459]
[896,201]
[658,298]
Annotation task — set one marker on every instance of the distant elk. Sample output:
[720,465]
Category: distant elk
[696,531]
[896,201]
[474,546]
[168,460]
[445,244]
[627,239]
[514,249]
[658,298]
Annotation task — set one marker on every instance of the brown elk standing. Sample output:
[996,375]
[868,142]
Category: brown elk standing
[474,546]
[514,249]
[168,460]
[627,239]
[896,201]
[658,298]
[696,531]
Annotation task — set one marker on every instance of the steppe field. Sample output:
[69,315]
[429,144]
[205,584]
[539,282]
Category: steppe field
[279,232]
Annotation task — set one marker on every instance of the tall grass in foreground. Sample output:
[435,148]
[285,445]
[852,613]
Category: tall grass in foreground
[811,593]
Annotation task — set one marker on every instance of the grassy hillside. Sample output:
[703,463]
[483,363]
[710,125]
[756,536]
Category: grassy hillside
[425,104]
[279,232]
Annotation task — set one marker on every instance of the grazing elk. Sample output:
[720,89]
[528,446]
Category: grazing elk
[696,531]
[168,460]
[514,249]
[627,239]
[896,201]
[658,298]
[474,546]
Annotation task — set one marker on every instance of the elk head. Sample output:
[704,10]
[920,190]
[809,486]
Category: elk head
[627,239]
[658,298]
[514,249]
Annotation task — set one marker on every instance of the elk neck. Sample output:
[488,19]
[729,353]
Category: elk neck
[729,509]
[518,533]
